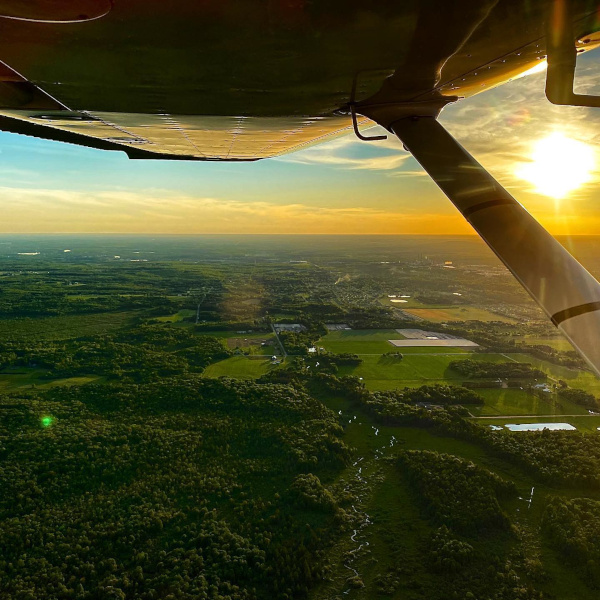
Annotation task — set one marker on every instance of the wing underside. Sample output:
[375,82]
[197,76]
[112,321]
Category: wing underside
[245,80]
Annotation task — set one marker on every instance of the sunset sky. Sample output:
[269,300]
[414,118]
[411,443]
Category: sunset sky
[345,186]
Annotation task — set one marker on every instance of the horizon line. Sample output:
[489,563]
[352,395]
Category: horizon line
[162,234]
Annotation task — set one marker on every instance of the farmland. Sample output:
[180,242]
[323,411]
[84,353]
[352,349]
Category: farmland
[558,342]
[27,379]
[368,341]
[440,315]
[379,372]
[178,317]
[239,367]
[524,402]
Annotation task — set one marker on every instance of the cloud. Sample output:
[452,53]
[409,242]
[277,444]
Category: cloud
[348,152]
[159,211]
[500,128]
[497,127]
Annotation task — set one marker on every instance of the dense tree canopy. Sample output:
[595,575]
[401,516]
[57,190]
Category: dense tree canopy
[172,488]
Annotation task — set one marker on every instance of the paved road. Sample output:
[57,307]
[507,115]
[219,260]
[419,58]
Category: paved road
[279,342]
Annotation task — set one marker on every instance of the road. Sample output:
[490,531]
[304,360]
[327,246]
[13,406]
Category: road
[279,341]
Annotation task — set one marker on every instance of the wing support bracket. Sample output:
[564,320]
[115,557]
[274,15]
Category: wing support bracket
[562,59]
[352,106]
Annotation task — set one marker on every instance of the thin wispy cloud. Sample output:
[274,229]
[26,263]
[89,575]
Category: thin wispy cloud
[350,153]
[161,212]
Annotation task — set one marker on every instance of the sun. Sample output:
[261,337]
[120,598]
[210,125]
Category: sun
[559,165]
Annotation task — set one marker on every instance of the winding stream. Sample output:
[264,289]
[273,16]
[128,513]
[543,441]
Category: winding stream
[365,469]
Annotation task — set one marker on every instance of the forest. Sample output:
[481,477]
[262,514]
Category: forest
[185,488]
[514,370]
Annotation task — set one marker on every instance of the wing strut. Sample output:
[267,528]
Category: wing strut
[567,293]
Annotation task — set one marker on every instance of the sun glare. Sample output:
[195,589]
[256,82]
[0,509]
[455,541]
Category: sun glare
[559,165]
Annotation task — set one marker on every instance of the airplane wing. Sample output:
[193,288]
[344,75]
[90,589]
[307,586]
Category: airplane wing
[239,79]
[250,79]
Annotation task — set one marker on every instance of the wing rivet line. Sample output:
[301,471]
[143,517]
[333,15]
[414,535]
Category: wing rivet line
[574,311]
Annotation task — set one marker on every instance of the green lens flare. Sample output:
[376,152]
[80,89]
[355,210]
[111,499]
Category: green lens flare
[47,421]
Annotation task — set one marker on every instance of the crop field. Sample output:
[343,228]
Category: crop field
[64,328]
[521,402]
[24,378]
[374,341]
[235,334]
[385,373]
[254,345]
[73,297]
[247,341]
[462,313]
[178,316]
[242,302]
[360,341]
[239,367]
[576,378]
[19,378]
[559,343]
[69,381]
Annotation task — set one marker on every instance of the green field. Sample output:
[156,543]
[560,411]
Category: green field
[373,341]
[27,378]
[247,342]
[428,366]
[421,366]
[64,328]
[576,378]
[385,373]
[178,316]
[521,402]
[360,341]
[234,334]
[239,367]
[381,373]
[359,347]
[21,378]
[455,313]
[364,335]
[558,343]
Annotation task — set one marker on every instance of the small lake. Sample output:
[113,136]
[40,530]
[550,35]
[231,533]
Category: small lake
[540,426]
